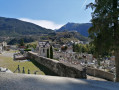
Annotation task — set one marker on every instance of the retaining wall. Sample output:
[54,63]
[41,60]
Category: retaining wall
[59,68]
[100,73]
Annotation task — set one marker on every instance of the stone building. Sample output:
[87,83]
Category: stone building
[69,49]
[42,48]
[3,46]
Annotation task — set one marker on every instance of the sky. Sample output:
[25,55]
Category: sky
[50,14]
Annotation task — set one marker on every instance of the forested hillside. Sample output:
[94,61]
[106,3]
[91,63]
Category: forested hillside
[15,27]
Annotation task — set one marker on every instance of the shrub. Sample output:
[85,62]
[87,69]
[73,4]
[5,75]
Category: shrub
[27,49]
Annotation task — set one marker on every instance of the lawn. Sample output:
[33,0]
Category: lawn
[7,62]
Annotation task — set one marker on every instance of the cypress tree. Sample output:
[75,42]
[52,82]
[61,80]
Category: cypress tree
[51,52]
[48,53]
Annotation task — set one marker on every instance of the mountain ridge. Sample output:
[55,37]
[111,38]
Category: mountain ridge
[14,27]
[82,28]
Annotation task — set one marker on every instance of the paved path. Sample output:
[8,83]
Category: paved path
[7,54]
[95,78]
[34,82]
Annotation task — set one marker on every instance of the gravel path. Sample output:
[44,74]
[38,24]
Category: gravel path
[38,82]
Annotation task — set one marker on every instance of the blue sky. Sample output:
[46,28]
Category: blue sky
[47,13]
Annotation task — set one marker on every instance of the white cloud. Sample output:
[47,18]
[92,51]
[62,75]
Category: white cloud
[44,23]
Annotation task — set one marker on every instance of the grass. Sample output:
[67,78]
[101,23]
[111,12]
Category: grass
[7,62]
[13,51]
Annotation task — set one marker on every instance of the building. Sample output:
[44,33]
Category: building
[69,49]
[3,46]
[57,46]
[42,48]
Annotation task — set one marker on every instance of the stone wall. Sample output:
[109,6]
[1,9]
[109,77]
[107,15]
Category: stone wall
[100,73]
[59,68]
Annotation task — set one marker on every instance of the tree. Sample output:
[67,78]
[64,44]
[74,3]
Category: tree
[34,46]
[105,28]
[22,42]
[27,46]
[76,47]
[51,52]
[48,53]
[73,47]
[83,49]
[64,48]
[80,48]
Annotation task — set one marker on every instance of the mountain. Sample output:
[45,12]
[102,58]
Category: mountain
[15,27]
[81,28]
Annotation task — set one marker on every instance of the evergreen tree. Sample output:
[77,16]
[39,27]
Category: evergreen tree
[105,28]
[76,48]
[80,48]
[83,49]
[48,53]
[51,52]
[73,47]
[22,42]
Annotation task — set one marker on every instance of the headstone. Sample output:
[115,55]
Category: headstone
[23,70]
[18,69]
[28,71]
